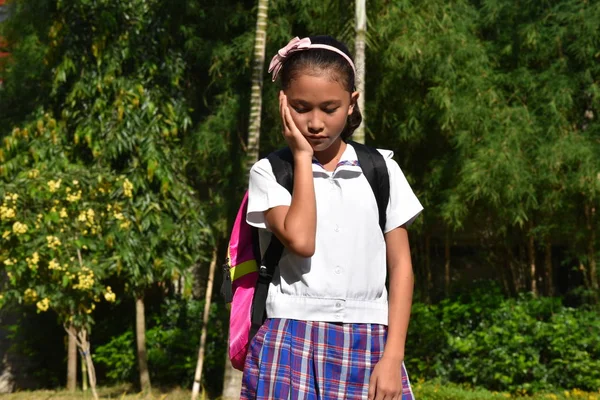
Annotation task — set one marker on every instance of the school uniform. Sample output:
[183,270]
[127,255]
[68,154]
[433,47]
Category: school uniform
[327,314]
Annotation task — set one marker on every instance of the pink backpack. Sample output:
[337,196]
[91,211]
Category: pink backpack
[241,272]
[247,275]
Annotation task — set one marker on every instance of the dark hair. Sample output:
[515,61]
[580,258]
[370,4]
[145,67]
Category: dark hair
[325,60]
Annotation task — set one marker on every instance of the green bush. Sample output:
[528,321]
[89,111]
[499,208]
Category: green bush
[518,345]
[172,342]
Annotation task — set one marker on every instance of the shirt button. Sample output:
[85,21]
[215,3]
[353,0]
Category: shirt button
[338,304]
[338,270]
[337,228]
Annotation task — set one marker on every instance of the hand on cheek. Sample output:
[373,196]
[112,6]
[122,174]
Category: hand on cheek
[297,142]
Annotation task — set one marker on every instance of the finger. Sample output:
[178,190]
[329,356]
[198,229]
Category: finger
[372,384]
[283,111]
[281,108]
[288,118]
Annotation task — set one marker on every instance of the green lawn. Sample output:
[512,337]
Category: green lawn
[423,391]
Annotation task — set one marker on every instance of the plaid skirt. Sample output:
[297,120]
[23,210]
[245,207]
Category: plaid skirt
[299,360]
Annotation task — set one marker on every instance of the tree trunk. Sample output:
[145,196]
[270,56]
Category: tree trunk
[532,272]
[71,361]
[232,381]
[84,374]
[591,213]
[257,82]
[549,269]
[447,264]
[87,365]
[140,335]
[429,282]
[207,302]
[359,60]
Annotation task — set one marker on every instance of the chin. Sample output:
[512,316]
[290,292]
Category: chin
[319,147]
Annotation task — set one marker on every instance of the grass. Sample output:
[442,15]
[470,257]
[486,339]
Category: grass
[423,391]
[439,391]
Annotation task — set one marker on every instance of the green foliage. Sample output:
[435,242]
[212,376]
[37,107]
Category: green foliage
[59,224]
[436,390]
[118,356]
[172,341]
[517,345]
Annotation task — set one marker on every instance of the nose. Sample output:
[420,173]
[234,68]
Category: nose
[315,124]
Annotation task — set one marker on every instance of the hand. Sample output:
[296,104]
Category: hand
[295,139]
[386,380]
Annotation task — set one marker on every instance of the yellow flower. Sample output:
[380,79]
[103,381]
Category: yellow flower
[85,279]
[34,173]
[125,224]
[63,213]
[71,198]
[54,265]
[43,304]
[127,188]
[11,196]
[109,295]
[75,182]
[119,216]
[53,186]
[6,213]
[53,242]
[19,228]
[32,262]
[30,295]
[6,234]
[82,217]
[10,261]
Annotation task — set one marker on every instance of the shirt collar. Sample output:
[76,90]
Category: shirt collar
[348,162]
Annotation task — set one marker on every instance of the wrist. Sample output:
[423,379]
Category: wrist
[393,357]
[302,157]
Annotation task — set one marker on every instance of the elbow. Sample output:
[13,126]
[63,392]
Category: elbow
[302,248]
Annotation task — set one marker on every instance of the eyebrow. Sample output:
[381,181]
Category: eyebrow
[323,104]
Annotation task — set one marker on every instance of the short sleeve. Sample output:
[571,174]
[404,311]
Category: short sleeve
[264,193]
[404,207]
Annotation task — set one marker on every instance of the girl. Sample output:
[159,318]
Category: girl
[331,332]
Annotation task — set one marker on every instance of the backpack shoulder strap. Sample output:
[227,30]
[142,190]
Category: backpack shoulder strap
[375,169]
[282,162]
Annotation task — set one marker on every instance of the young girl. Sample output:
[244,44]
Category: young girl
[331,331]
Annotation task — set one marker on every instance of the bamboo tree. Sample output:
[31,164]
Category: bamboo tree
[359,58]
[257,82]
[205,317]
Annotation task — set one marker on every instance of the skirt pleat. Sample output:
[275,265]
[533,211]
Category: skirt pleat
[304,360]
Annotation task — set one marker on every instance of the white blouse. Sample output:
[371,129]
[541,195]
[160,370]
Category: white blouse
[344,281]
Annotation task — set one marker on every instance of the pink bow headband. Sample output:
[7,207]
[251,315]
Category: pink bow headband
[297,44]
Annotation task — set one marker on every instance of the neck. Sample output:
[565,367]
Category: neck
[331,154]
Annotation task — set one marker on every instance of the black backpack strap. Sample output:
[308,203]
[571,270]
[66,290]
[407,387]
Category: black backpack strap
[375,170]
[282,162]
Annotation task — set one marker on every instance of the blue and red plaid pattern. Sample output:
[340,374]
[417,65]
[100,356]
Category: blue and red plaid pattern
[302,360]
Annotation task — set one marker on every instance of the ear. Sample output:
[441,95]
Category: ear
[353,99]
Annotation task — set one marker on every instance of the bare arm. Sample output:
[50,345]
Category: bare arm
[386,379]
[296,225]
[401,291]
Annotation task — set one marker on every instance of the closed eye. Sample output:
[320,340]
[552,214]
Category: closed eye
[300,110]
[331,110]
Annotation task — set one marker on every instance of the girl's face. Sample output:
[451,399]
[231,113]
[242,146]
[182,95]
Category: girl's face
[319,107]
